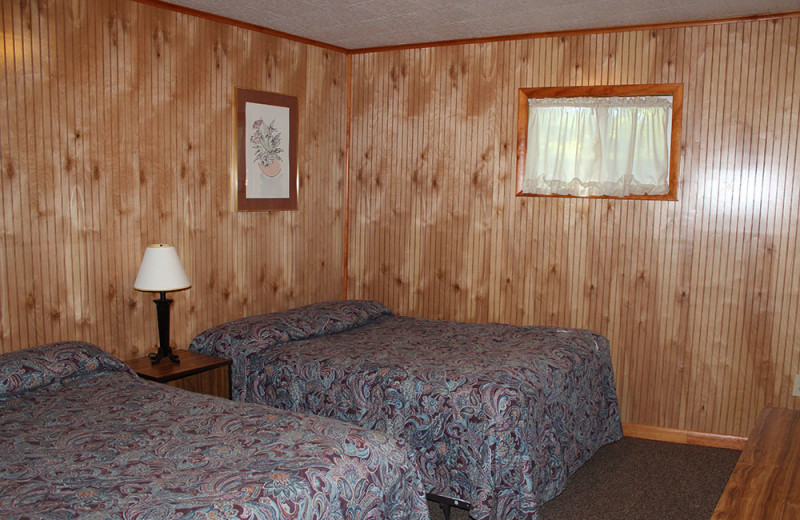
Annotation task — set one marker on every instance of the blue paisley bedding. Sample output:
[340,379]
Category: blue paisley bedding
[81,436]
[498,415]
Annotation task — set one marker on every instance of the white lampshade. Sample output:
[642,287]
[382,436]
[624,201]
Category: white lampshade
[161,270]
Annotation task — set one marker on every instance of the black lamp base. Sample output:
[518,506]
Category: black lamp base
[164,350]
[155,357]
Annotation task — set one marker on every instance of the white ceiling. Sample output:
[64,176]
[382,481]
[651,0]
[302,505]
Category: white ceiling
[359,24]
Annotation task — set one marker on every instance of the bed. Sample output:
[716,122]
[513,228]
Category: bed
[498,415]
[81,436]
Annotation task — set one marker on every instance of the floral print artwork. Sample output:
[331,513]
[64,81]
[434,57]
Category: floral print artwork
[266,142]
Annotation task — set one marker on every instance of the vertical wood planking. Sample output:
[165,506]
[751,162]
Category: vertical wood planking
[699,297]
[116,133]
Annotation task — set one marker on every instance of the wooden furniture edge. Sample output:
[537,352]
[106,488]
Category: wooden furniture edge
[211,363]
[658,433]
[765,484]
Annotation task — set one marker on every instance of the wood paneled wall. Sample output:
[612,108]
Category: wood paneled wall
[116,132]
[700,298]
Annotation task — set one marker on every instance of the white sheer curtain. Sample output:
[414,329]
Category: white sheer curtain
[613,146]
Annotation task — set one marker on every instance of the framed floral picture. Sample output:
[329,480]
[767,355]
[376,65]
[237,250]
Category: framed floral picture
[266,151]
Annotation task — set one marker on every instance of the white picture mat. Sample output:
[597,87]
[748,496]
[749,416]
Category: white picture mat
[258,185]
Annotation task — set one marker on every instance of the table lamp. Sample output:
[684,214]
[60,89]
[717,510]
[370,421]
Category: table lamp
[162,271]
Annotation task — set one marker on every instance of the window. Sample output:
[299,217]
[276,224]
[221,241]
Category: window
[608,141]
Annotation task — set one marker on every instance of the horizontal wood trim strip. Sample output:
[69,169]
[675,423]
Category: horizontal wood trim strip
[657,433]
[512,37]
[238,23]
[577,32]
[651,89]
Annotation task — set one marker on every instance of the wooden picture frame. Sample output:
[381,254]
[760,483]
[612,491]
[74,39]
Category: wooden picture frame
[265,150]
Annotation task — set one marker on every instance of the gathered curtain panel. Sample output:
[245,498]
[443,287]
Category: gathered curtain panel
[600,146]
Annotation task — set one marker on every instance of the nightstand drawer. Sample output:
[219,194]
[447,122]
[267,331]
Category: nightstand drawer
[195,372]
[213,382]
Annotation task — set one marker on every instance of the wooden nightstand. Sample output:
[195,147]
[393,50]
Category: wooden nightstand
[196,372]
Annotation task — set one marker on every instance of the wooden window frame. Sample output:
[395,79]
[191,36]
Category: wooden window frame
[662,89]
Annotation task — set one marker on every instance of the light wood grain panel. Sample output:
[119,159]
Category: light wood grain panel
[764,483]
[116,132]
[699,297]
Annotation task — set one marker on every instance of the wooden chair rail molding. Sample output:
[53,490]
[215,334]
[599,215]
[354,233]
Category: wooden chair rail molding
[655,433]
[765,483]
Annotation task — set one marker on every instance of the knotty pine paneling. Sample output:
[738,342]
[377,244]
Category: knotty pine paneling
[116,132]
[700,298]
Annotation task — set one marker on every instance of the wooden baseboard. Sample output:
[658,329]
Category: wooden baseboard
[656,433]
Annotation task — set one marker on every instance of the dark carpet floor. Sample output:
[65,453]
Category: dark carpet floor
[637,479]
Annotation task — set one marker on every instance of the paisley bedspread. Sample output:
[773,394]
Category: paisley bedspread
[498,415]
[81,436]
